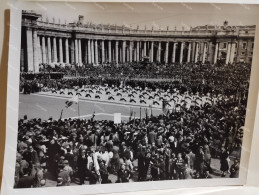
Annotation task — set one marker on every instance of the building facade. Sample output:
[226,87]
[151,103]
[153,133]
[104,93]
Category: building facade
[45,42]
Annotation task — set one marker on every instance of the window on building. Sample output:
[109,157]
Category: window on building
[244,46]
[243,53]
[224,45]
[246,32]
[251,53]
[252,45]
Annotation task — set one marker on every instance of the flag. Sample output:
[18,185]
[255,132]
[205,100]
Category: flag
[72,100]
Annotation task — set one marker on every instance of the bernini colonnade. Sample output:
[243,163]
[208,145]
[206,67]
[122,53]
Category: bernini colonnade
[49,43]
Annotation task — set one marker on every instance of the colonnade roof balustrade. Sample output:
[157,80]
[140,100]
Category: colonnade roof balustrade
[79,43]
[130,31]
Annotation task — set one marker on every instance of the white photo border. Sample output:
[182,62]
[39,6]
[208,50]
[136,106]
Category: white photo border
[12,129]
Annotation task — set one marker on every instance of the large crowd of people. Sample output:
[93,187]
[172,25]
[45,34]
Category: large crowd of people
[178,144]
[216,78]
[174,71]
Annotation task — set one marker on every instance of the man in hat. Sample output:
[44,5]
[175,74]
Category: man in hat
[82,164]
[199,162]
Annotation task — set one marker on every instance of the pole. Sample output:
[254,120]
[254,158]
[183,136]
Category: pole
[140,112]
[61,114]
[134,119]
[131,111]
[92,119]
[78,111]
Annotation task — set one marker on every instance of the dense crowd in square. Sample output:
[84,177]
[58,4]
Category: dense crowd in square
[204,120]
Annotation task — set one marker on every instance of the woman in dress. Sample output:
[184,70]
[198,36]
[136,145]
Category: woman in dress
[224,156]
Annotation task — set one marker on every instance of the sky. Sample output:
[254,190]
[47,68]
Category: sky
[158,15]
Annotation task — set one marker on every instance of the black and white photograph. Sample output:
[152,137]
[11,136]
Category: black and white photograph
[130,96]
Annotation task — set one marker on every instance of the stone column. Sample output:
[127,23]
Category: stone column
[196,52]
[110,50]
[86,51]
[76,52]
[43,44]
[92,51]
[49,50]
[216,53]
[193,51]
[79,52]
[166,52]
[232,53]
[117,52]
[123,51]
[181,52]
[55,57]
[201,46]
[204,52]
[120,54]
[103,52]
[39,50]
[159,52]
[89,51]
[145,48]
[72,51]
[35,52]
[113,54]
[60,50]
[151,51]
[130,51]
[67,51]
[29,50]
[96,52]
[189,52]
[228,53]
[174,52]
[127,52]
[137,50]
